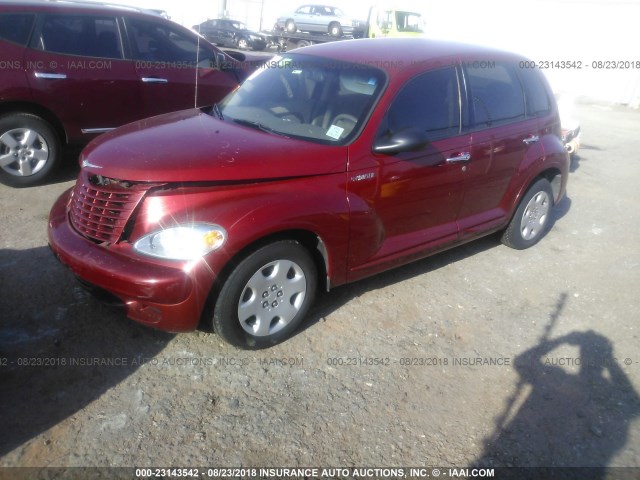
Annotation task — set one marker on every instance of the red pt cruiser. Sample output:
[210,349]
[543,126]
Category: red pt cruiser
[327,165]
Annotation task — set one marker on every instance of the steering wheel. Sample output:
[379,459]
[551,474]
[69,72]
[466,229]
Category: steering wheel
[290,117]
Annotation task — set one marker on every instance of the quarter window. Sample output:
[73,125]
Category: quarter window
[495,94]
[537,97]
[81,35]
[430,103]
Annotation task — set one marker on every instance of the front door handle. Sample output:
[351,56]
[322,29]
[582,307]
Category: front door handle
[50,76]
[531,139]
[154,80]
[462,157]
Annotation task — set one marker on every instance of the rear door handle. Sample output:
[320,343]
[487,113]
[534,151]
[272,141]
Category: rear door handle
[531,139]
[50,76]
[462,157]
[154,80]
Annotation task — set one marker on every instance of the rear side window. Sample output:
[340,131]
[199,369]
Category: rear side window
[495,94]
[429,102]
[81,35]
[158,42]
[538,102]
[16,27]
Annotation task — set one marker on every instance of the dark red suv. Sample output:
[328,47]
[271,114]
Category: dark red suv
[70,71]
[327,165]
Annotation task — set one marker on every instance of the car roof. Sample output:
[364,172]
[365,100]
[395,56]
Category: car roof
[71,5]
[402,53]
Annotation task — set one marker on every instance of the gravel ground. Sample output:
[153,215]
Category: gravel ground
[482,355]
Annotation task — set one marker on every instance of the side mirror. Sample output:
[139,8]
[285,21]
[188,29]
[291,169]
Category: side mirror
[403,141]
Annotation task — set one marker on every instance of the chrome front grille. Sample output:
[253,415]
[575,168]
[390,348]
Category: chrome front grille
[100,207]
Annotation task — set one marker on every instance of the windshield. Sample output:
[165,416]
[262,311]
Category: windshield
[409,22]
[315,99]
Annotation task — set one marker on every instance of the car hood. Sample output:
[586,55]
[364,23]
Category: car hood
[192,146]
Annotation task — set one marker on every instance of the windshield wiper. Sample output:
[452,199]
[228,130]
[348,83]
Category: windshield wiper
[258,126]
[218,112]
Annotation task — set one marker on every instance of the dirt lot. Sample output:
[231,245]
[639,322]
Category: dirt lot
[479,356]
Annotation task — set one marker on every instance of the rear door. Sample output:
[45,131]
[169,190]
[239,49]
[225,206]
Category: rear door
[76,68]
[501,138]
[176,70]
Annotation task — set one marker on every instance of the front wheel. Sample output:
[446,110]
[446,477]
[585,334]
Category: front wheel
[29,149]
[266,296]
[335,30]
[531,220]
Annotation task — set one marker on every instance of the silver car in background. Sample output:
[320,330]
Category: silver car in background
[318,19]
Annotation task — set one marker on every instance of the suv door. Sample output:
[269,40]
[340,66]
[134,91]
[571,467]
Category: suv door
[76,69]
[502,137]
[166,57]
[418,194]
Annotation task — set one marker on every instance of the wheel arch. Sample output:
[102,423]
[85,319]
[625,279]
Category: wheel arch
[311,241]
[38,110]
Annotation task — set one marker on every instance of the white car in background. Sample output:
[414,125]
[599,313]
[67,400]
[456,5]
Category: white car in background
[318,19]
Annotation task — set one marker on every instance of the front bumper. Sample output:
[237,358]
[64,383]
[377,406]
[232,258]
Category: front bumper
[166,295]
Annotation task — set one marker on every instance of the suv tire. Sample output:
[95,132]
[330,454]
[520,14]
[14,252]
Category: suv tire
[32,144]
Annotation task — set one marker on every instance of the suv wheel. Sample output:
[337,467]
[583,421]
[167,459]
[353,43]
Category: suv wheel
[531,220]
[267,296]
[29,149]
[243,44]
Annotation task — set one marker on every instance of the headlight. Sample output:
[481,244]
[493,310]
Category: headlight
[183,242]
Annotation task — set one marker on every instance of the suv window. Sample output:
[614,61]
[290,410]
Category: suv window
[538,102]
[161,43]
[429,102]
[81,35]
[496,95]
[305,10]
[16,27]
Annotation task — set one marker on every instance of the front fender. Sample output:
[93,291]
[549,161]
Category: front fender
[253,211]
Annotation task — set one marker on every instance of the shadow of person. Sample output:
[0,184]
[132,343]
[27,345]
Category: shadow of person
[566,412]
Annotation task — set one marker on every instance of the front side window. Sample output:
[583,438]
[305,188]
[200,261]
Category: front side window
[16,27]
[157,42]
[314,99]
[495,93]
[82,35]
[429,103]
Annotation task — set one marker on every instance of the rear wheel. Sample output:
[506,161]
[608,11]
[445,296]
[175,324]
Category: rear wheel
[531,220]
[291,26]
[267,296]
[29,149]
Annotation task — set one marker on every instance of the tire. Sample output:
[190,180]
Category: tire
[303,43]
[243,44]
[335,30]
[290,26]
[532,218]
[32,144]
[266,296]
